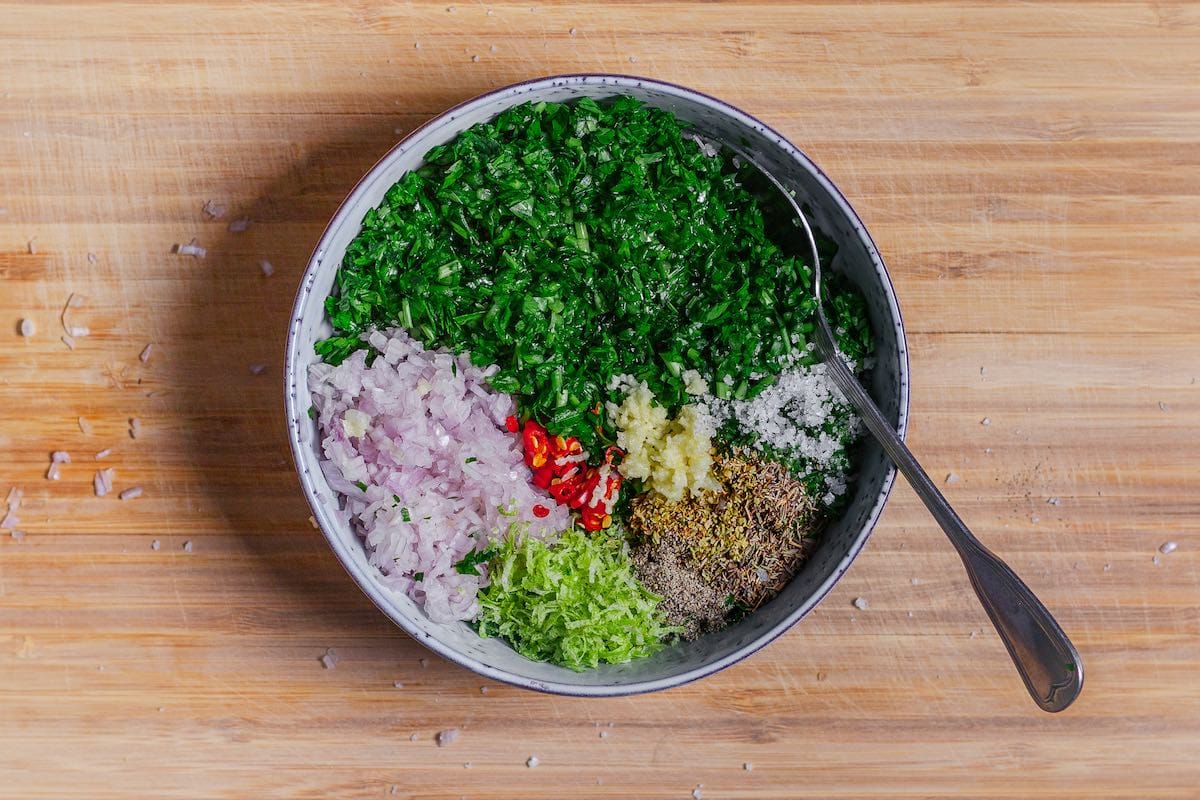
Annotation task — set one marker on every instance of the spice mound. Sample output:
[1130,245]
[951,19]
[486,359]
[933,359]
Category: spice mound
[740,545]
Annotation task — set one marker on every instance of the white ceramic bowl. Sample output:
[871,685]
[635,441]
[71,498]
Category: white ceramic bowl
[857,259]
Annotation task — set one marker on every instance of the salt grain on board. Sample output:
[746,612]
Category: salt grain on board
[330,659]
[1167,547]
[132,493]
[448,736]
[985,421]
[258,369]
[267,269]
[155,544]
[951,478]
[239,225]
[192,249]
[697,794]
[748,766]
[144,356]
[28,328]
[532,762]
[187,546]
[860,603]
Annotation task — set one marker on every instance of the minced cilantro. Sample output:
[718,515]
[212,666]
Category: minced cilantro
[568,243]
[575,603]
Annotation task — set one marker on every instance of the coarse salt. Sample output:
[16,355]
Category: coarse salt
[28,328]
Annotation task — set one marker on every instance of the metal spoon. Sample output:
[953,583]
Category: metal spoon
[1042,653]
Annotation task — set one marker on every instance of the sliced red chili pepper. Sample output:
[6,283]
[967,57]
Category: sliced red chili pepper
[512,424]
[540,511]
[537,445]
[543,476]
[566,488]
[589,484]
[595,520]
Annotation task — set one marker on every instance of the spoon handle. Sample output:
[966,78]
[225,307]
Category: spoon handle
[1042,653]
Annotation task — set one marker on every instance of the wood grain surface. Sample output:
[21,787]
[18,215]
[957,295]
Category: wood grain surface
[1031,174]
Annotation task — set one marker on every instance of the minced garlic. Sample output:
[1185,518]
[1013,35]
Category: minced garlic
[672,457]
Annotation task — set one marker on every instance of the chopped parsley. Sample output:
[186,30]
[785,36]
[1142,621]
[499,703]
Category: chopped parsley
[470,563]
[568,243]
[361,485]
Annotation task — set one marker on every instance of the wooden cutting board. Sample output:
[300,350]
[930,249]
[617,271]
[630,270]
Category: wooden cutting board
[1032,176]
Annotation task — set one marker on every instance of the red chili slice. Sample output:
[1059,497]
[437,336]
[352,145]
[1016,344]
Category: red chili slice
[512,424]
[540,511]
[543,476]
[537,445]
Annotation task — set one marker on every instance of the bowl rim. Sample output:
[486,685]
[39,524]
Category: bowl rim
[375,592]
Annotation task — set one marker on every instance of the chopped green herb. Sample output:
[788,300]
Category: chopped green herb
[472,460]
[312,412]
[418,576]
[404,515]
[470,563]
[575,603]
[396,499]
[568,243]
[361,485]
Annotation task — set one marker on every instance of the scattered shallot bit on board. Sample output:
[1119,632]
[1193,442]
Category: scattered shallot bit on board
[192,248]
[132,493]
[103,481]
[103,454]
[258,369]
[85,426]
[330,659]
[212,209]
[144,356]
[28,328]
[267,269]
[239,225]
